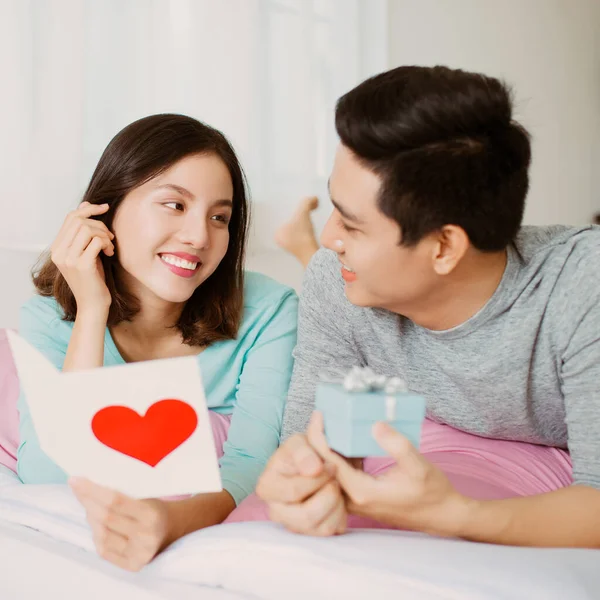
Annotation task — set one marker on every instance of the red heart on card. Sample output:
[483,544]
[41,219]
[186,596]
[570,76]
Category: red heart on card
[148,438]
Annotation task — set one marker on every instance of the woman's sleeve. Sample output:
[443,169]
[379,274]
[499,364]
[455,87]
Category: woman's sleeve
[38,324]
[256,421]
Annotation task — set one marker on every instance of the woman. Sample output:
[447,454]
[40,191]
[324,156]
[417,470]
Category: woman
[151,266]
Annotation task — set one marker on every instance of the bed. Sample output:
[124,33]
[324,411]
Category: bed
[46,550]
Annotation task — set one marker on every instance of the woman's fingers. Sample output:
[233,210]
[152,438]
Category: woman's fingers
[90,254]
[107,539]
[82,241]
[100,516]
[86,210]
[96,227]
[71,231]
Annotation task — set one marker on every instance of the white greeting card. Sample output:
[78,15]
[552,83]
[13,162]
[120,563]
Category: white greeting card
[141,428]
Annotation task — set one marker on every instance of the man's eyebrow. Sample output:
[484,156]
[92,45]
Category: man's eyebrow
[349,216]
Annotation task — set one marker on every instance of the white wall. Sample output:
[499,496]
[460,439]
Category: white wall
[548,50]
[266,72]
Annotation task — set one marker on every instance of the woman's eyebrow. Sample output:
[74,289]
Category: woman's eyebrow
[226,202]
[176,188]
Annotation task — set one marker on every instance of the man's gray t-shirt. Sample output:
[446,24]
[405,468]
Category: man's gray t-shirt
[526,367]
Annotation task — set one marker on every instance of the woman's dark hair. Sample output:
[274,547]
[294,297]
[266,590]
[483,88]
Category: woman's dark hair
[446,149]
[135,155]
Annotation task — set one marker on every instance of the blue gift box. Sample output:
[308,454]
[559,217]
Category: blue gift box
[349,417]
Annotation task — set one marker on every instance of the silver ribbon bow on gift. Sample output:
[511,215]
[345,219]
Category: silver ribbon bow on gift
[364,379]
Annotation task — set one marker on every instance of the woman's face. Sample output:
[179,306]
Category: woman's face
[172,232]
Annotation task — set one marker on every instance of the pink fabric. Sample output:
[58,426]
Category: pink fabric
[9,417]
[220,428]
[478,467]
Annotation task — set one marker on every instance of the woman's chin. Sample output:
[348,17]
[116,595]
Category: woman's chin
[174,298]
[169,293]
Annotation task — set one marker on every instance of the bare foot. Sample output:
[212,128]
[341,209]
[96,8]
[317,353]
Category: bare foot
[297,236]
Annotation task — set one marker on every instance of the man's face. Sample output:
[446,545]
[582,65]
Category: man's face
[378,271]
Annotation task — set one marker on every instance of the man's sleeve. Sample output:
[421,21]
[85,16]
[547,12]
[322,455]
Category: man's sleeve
[580,371]
[325,342]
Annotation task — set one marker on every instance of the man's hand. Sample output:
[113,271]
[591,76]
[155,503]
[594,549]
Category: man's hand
[301,491]
[414,494]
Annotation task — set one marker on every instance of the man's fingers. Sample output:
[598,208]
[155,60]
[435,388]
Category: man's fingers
[338,520]
[274,487]
[316,435]
[296,457]
[357,484]
[401,450]
[294,472]
[315,516]
[335,522]
[303,457]
[318,441]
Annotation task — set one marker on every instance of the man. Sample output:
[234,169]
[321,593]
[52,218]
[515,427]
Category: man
[428,275]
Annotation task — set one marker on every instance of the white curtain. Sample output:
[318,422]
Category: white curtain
[265,72]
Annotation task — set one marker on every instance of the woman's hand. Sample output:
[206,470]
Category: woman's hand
[76,252]
[127,532]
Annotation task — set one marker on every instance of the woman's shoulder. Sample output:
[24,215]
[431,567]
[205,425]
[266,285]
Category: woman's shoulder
[267,303]
[262,292]
[42,307]
[43,312]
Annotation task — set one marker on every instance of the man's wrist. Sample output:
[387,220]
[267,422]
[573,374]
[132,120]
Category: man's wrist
[481,520]
[459,517]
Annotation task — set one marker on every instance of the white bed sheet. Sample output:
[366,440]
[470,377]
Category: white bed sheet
[35,566]
[44,540]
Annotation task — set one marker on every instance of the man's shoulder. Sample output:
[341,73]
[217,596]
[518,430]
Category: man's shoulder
[568,260]
[323,261]
[558,243]
[323,289]
[323,276]
[569,257]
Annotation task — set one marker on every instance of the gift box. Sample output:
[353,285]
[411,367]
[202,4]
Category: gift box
[353,405]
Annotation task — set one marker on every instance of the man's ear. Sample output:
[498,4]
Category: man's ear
[452,243]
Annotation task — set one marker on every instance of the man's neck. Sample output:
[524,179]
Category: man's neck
[462,294]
